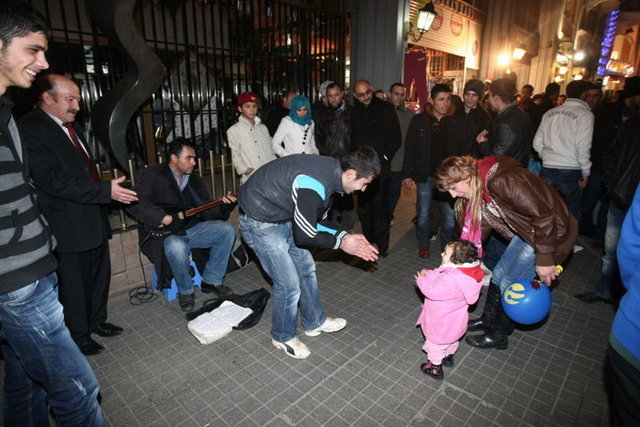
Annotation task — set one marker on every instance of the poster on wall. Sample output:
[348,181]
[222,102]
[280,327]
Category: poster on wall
[415,79]
[473,45]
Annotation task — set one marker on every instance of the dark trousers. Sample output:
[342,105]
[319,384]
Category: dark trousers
[395,189]
[626,390]
[373,210]
[593,193]
[84,289]
[566,182]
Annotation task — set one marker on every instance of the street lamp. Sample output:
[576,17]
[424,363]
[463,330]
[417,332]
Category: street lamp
[426,15]
[503,59]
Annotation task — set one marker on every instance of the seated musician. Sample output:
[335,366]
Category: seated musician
[163,192]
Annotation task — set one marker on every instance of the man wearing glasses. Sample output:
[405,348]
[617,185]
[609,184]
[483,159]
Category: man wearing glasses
[374,123]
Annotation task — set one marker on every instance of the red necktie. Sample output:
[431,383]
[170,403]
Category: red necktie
[76,142]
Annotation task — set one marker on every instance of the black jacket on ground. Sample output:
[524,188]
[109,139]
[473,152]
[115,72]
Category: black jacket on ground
[511,135]
[333,134]
[376,125]
[621,165]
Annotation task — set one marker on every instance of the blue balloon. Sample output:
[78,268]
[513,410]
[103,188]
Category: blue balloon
[527,301]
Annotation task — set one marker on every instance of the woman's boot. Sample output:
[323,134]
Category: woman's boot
[483,322]
[498,333]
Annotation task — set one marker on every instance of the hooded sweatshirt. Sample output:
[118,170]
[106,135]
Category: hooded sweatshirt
[448,291]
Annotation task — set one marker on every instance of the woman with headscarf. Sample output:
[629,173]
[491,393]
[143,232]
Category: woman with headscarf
[295,135]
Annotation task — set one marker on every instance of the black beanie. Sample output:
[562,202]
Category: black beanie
[474,85]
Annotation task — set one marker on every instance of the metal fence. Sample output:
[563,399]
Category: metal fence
[212,50]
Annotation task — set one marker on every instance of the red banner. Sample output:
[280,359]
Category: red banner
[415,74]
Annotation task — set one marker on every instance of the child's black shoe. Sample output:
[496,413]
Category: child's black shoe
[448,361]
[433,370]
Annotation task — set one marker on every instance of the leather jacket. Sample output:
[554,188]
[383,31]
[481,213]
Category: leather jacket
[511,135]
[621,164]
[333,135]
[533,210]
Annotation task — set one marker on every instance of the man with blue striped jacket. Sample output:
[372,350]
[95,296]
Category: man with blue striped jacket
[284,207]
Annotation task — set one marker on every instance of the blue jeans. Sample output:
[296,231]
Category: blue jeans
[423,206]
[447,223]
[518,262]
[493,250]
[218,236]
[423,219]
[566,182]
[293,272]
[42,363]
[615,217]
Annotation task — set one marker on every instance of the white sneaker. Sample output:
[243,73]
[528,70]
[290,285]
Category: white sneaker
[294,348]
[332,324]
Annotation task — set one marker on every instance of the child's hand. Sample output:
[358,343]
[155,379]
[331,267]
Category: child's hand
[420,273]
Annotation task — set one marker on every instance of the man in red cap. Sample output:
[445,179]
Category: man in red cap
[249,138]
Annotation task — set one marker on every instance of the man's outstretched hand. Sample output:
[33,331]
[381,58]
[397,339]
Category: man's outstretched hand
[358,245]
[121,194]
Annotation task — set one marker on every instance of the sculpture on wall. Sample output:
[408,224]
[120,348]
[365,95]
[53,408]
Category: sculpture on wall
[145,72]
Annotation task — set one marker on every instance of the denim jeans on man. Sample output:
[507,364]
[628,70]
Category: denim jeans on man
[615,218]
[423,217]
[217,235]
[517,262]
[293,272]
[566,182]
[43,366]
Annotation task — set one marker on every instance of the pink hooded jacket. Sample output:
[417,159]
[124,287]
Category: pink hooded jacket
[448,291]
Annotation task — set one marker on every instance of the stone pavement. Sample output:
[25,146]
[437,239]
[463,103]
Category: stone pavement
[157,374]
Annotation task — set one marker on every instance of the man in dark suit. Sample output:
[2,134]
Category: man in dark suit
[374,123]
[73,199]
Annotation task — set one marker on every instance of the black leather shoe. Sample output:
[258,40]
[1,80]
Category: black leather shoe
[591,297]
[186,302]
[488,340]
[219,290]
[476,325]
[89,347]
[448,361]
[106,329]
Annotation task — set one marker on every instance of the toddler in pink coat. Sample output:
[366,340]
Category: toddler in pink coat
[448,290]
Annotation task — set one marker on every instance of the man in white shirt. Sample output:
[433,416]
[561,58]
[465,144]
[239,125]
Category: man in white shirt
[563,142]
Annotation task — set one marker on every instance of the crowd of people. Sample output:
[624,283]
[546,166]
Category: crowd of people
[514,181]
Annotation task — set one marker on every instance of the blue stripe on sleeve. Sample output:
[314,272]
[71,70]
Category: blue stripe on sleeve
[305,181]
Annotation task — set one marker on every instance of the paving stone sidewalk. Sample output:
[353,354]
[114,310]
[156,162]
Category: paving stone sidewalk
[157,374]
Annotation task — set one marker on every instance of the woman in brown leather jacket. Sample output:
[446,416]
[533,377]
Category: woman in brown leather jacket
[498,193]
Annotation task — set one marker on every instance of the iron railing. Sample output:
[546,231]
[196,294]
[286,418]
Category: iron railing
[212,50]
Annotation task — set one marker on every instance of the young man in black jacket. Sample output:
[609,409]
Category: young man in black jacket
[426,145]
[43,366]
